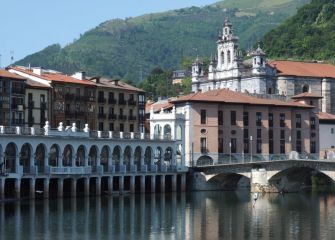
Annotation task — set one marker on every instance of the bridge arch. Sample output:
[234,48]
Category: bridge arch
[204,160]
[229,180]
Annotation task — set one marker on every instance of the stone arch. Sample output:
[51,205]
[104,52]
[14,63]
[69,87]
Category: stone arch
[204,160]
[54,155]
[179,133]
[157,131]
[116,156]
[93,156]
[167,131]
[158,156]
[305,88]
[81,155]
[148,156]
[137,157]
[104,157]
[10,156]
[26,156]
[68,155]
[40,155]
[127,155]
[228,180]
[296,178]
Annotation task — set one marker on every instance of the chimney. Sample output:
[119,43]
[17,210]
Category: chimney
[38,70]
[116,82]
[79,75]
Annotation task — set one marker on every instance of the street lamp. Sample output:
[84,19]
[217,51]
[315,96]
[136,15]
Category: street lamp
[250,148]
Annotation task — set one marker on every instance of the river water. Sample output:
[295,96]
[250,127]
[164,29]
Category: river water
[201,215]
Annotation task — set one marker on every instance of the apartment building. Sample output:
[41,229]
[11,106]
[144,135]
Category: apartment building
[12,92]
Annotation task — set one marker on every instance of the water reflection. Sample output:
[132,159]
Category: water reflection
[203,215]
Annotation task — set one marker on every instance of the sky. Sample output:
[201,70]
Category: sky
[27,26]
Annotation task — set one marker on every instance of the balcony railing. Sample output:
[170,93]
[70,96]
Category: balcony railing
[101,100]
[69,96]
[18,90]
[122,102]
[31,104]
[131,102]
[132,118]
[122,117]
[102,116]
[112,116]
[111,100]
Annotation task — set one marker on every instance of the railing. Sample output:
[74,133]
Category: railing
[111,100]
[101,116]
[112,116]
[131,102]
[122,102]
[71,170]
[122,117]
[228,159]
[101,100]
[131,118]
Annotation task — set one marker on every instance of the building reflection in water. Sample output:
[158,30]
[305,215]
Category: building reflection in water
[203,215]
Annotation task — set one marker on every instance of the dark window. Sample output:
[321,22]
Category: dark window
[270,146]
[220,118]
[101,126]
[121,127]
[298,120]
[245,119]
[298,134]
[298,146]
[270,134]
[233,118]
[259,146]
[111,126]
[313,147]
[220,145]
[258,119]
[282,134]
[312,123]
[282,146]
[245,133]
[203,116]
[259,133]
[270,119]
[131,128]
[203,145]
[246,145]
[282,119]
[233,145]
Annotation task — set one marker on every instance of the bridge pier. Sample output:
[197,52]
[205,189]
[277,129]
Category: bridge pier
[259,182]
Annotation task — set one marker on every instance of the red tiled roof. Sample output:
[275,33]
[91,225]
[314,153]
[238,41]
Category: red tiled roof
[323,116]
[306,95]
[227,96]
[54,77]
[157,106]
[105,82]
[304,69]
[35,84]
[6,74]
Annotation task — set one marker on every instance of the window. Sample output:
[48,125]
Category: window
[131,128]
[233,118]
[282,120]
[298,147]
[220,147]
[270,146]
[313,147]
[299,135]
[101,110]
[121,127]
[111,126]
[245,119]
[282,146]
[220,117]
[228,57]
[233,145]
[270,119]
[282,134]
[332,130]
[246,146]
[203,116]
[101,126]
[312,123]
[245,133]
[270,134]
[258,119]
[259,133]
[203,145]
[298,120]
[259,146]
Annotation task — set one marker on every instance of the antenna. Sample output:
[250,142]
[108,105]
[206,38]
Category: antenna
[11,57]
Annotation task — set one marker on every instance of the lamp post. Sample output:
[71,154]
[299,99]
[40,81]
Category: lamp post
[250,148]
[230,152]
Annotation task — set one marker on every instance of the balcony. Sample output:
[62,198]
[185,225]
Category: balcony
[111,100]
[122,102]
[18,121]
[16,106]
[131,102]
[112,116]
[88,98]
[18,91]
[102,116]
[122,117]
[101,100]
[69,114]
[132,118]
[69,96]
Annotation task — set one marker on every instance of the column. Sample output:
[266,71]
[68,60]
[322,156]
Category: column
[73,187]
[162,177]
[143,184]
[174,182]
[110,185]
[153,183]
[32,189]
[121,184]
[87,186]
[17,188]
[132,184]
[73,161]
[183,182]
[98,186]
[2,188]
[60,187]
[46,188]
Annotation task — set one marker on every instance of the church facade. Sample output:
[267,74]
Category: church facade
[260,77]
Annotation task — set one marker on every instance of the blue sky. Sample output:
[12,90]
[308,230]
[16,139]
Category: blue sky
[29,26]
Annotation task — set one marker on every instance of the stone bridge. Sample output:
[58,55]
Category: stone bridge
[289,175]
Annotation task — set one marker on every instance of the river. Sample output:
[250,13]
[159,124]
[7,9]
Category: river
[200,215]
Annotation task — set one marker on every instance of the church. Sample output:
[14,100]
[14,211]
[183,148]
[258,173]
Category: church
[275,79]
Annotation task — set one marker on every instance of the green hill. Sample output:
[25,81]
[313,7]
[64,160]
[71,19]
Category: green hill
[132,47]
[308,35]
